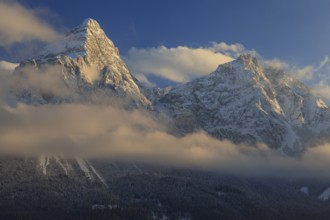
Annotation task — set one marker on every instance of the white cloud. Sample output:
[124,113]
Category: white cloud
[47,80]
[315,76]
[276,63]
[324,62]
[304,74]
[20,24]
[90,73]
[7,67]
[182,63]
[179,64]
[143,79]
[231,50]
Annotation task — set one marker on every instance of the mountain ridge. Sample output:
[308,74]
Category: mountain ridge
[244,103]
[240,101]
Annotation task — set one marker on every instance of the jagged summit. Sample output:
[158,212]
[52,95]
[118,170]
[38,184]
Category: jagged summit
[244,68]
[242,102]
[247,58]
[86,40]
[90,23]
[89,61]
[249,61]
[302,107]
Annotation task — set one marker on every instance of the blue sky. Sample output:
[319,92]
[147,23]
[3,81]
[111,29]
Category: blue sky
[296,31]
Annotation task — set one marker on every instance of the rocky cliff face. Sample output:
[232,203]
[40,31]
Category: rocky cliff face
[301,106]
[89,64]
[245,104]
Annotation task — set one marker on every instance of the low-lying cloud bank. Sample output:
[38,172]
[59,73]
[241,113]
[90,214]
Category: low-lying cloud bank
[102,131]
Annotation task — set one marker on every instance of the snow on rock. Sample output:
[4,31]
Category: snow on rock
[43,163]
[55,164]
[304,189]
[325,195]
[89,170]
[103,206]
[97,174]
[85,168]
[64,164]
[137,168]
[235,102]
[321,104]
[244,103]
[98,207]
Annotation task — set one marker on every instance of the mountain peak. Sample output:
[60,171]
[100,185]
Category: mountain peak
[249,62]
[244,68]
[90,22]
[89,59]
[86,40]
[248,59]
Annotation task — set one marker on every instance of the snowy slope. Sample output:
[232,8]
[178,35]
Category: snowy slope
[325,195]
[302,107]
[245,104]
[56,165]
[304,189]
[89,64]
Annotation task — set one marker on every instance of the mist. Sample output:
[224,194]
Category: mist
[101,130]
[21,24]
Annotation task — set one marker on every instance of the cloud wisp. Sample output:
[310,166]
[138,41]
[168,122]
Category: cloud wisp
[315,76]
[20,24]
[7,67]
[179,64]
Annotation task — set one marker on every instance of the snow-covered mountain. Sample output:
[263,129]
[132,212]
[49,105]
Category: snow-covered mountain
[239,101]
[301,106]
[89,64]
[243,103]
